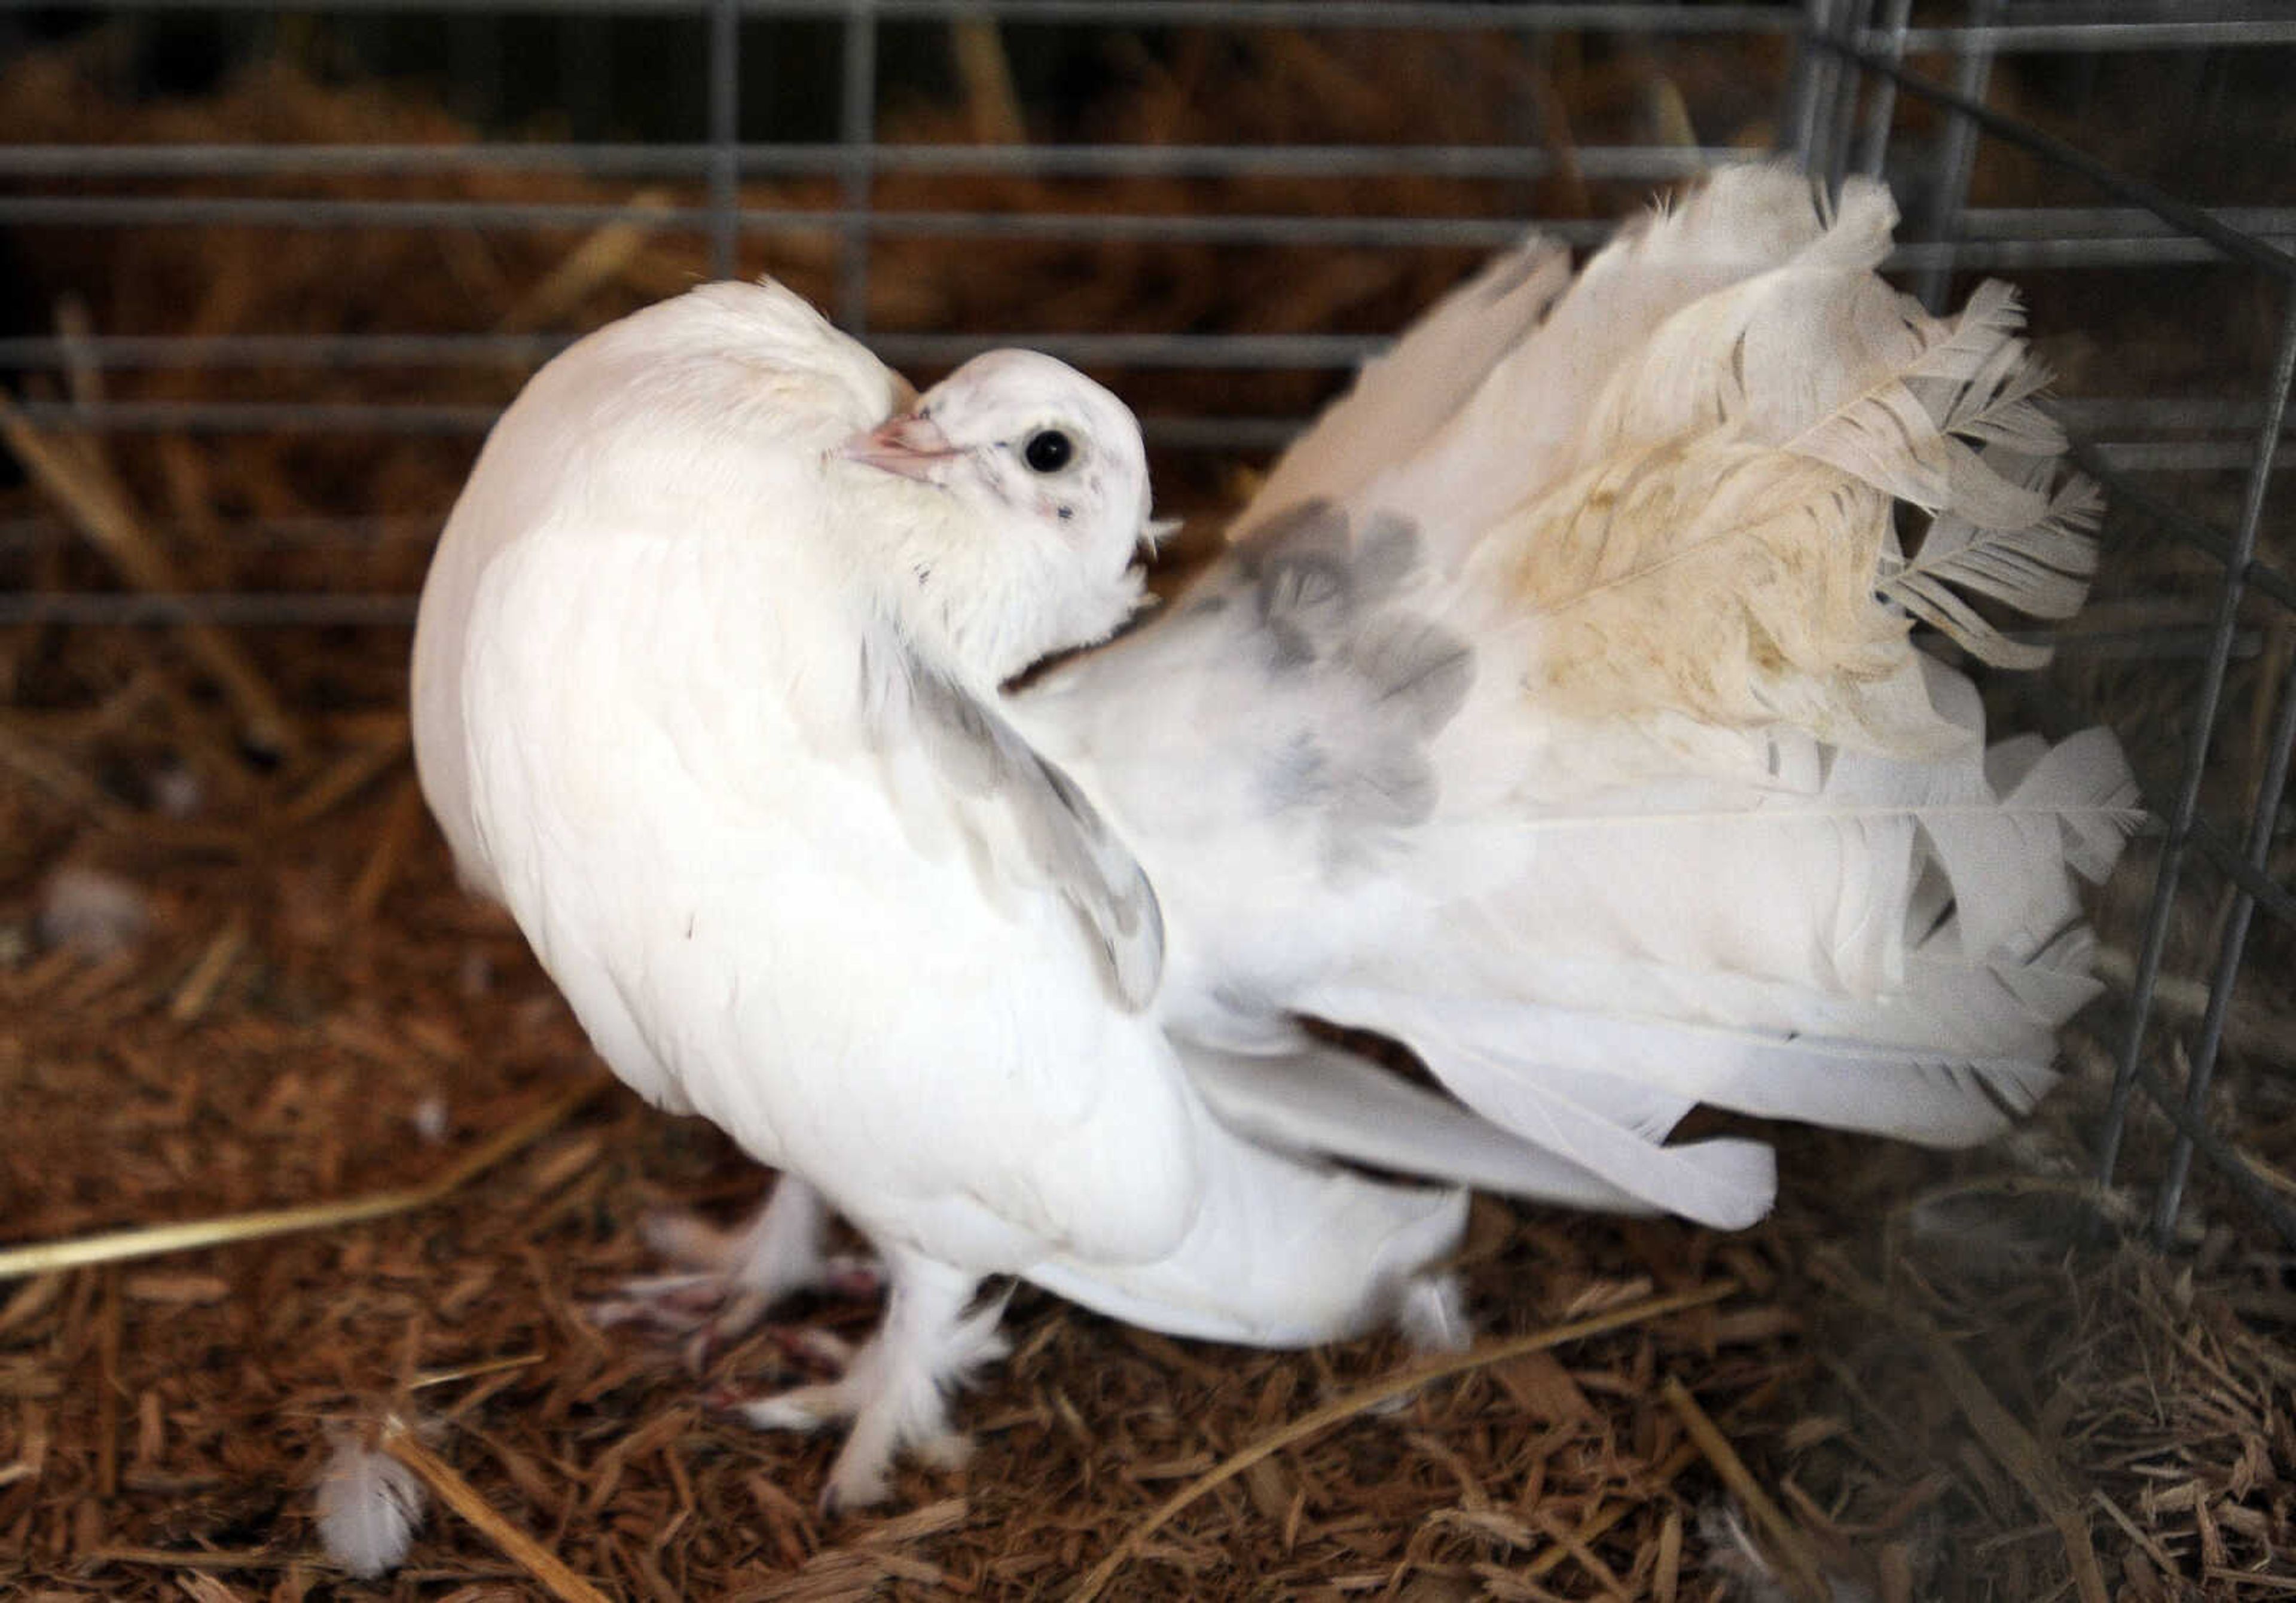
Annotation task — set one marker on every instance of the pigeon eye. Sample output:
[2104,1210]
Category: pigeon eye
[1048,450]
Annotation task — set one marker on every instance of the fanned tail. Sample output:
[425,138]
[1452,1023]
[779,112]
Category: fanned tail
[1772,866]
[1706,826]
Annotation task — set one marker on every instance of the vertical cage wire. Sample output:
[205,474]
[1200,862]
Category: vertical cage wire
[725,136]
[857,127]
[2184,816]
[1879,53]
[1958,156]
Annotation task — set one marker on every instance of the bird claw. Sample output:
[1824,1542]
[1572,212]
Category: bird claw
[1432,1314]
[891,1394]
[670,1304]
[803,1409]
[946,1449]
[854,1486]
[852,1274]
[862,1474]
[814,1347]
[730,1279]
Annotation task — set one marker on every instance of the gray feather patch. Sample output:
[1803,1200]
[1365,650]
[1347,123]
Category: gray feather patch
[1378,681]
[1063,834]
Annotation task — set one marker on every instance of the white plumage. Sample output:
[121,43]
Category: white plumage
[1554,713]
[369,1505]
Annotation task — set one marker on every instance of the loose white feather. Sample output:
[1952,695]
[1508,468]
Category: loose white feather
[370,1505]
[94,913]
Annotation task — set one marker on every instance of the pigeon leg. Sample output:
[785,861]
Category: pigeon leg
[894,1391]
[776,1254]
[1431,1313]
[733,1277]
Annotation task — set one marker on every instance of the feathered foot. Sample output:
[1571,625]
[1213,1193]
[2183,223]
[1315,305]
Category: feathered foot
[1431,1313]
[733,1278]
[893,1392]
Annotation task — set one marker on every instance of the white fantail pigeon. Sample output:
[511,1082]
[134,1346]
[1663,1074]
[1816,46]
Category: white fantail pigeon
[1556,713]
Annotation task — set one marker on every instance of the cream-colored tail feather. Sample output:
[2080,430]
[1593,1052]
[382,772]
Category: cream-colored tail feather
[1706,824]
[1717,544]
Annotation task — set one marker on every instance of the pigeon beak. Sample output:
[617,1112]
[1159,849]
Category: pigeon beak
[911,444]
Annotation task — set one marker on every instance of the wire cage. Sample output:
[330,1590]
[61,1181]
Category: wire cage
[949,175]
[1864,86]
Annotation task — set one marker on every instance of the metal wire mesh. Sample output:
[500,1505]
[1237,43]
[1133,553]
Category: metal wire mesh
[1872,85]
[1854,50]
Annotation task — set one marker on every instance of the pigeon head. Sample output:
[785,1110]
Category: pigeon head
[1045,483]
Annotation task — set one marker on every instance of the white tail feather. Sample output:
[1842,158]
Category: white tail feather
[1516,434]
[1892,953]
[1321,1101]
[1402,397]
[2041,568]
[1710,827]
[1728,1183]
